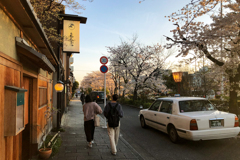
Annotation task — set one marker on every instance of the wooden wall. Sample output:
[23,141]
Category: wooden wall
[41,121]
[11,74]
[44,103]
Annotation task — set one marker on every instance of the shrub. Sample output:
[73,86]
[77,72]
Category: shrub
[137,103]
[226,98]
[146,105]
[217,96]
[130,101]
[56,130]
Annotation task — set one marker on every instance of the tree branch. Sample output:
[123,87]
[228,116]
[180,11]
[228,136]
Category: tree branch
[156,69]
[200,46]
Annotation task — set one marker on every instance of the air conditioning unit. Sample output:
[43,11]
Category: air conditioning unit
[71,60]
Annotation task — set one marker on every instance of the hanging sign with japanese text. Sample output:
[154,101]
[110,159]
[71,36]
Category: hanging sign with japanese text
[71,34]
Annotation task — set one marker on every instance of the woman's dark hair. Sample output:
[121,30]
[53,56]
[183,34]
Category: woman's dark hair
[88,99]
[115,97]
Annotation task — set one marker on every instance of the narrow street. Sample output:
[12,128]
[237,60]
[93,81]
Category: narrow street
[153,144]
[183,53]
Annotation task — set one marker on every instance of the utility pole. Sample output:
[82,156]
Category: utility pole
[204,79]
[118,85]
[221,53]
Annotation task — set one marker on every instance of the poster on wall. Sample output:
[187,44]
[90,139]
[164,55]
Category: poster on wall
[71,36]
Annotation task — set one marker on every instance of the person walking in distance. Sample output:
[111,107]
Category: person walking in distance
[90,108]
[82,98]
[113,112]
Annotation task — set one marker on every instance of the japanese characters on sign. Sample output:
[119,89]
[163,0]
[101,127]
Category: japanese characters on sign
[71,36]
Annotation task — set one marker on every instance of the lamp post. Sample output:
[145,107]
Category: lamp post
[59,86]
[177,76]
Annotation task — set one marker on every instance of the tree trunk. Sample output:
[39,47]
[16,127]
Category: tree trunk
[234,87]
[123,94]
[135,93]
[205,90]
[116,87]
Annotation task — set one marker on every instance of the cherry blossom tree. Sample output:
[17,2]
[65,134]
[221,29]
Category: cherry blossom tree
[48,13]
[114,71]
[143,64]
[95,81]
[218,41]
[119,74]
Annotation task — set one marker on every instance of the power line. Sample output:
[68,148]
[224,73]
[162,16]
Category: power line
[84,70]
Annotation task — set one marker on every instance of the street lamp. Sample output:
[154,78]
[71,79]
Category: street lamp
[59,86]
[177,76]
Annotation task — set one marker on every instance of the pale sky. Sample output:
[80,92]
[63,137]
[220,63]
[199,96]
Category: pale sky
[109,21]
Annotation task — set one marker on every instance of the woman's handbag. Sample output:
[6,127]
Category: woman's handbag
[96,121]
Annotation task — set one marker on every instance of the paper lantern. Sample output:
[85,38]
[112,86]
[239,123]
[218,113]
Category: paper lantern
[177,76]
[59,86]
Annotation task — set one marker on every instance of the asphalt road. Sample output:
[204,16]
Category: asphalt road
[153,144]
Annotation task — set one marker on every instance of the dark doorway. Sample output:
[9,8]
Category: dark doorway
[26,133]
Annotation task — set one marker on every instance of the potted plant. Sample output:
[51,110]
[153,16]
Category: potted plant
[45,151]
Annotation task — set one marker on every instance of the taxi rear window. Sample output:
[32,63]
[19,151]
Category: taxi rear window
[195,105]
[101,93]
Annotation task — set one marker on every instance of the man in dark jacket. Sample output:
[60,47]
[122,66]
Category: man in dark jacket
[82,98]
[113,132]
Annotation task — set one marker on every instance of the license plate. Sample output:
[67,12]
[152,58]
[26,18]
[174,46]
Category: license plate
[216,123]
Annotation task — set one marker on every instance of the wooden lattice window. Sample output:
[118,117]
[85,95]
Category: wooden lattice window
[42,96]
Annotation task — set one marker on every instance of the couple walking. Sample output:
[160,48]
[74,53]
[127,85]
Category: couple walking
[112,111]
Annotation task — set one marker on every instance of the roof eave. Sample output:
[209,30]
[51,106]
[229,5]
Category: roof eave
[74,18]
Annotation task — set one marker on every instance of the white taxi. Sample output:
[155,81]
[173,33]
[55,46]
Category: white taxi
[190,118]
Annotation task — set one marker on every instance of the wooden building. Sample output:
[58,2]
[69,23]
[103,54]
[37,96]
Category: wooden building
[27,65]
[29,68]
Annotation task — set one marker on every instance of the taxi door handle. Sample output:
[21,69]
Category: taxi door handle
[167,117]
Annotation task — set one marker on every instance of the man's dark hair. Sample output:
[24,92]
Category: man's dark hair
[115,97]
[88,99]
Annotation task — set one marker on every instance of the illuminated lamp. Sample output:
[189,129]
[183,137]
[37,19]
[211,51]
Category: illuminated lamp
[177,76]
[59,86]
